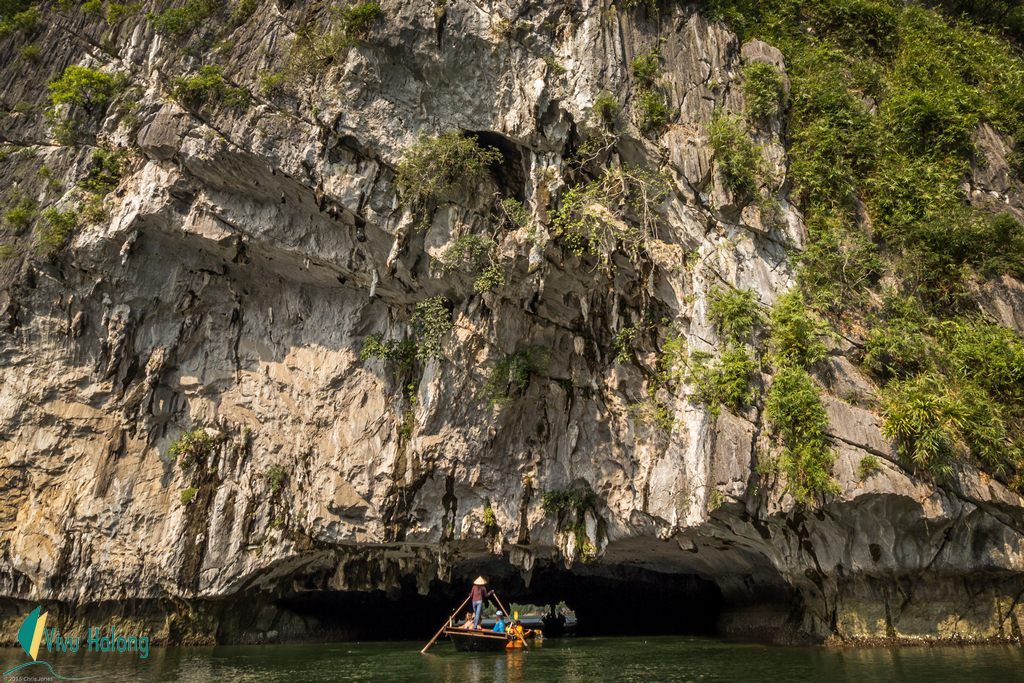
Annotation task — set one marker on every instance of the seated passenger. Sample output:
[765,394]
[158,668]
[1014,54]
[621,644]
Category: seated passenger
[469,621]
[499,625]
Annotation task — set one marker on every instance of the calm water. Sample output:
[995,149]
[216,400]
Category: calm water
[566,660]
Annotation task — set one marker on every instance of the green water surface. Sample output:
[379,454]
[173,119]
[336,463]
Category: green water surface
[570,660]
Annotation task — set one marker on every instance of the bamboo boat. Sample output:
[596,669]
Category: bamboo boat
[468,640]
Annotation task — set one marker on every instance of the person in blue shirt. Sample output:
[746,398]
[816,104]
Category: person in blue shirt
[499,625]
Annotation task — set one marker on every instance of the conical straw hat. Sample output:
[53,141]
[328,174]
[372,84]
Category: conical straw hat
[480,581]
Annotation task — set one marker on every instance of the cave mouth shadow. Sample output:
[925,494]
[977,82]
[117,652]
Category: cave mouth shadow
[607,601]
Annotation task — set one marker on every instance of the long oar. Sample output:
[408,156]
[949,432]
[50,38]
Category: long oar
[443,626]
[518,635]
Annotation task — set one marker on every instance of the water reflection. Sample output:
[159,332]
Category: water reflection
[583,660]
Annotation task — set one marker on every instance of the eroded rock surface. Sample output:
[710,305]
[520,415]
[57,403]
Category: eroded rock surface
[249,253]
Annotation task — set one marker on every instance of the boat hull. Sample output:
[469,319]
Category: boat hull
[476,641]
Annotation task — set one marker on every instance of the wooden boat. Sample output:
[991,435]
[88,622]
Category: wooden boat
[466,640]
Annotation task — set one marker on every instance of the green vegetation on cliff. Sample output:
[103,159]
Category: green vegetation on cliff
[793,404]
[54,230]
[571,506]
[192,448]
[19,216]
[208,87]
[180,22]
[317,46]
[188,495]
[511,375]
[734,313]
[794,408]
[954,388]
[83,86]
[616,211]
[726,381]
[652,111]
[431,320]
[886,103]
[762,90]
[78,97]
[18,16]
[737,157]
[434,167]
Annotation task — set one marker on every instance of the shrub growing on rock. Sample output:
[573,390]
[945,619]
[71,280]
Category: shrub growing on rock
[934,420]
[431,320]
[19,217]
[838,265]
[78,96]
[795,332]
[468,253]
[490,520]
[188,495]
[84,86]
[651,110]
[571,506]
[514,214]
[106,168]
[316,47]
[616,210]
[435,167]
[989,355]
[737,157]
[243,11]
[896,348]
[275,477]
[490,278]
[180,22]
[208,87]
[511,375]
[762,90]
[868,465]
[727,382]
[623,343]
[577,500]
[734,313]
[192,448]
[116,11]
[357,18]
[794,408]
[54,230]
[606,108]
[18,16]
[400,352]
[646,68]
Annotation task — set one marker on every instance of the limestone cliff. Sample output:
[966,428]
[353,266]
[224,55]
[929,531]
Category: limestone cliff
[256,237]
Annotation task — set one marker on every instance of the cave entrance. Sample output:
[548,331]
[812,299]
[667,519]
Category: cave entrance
[616,599]
[606,600]
[510,173]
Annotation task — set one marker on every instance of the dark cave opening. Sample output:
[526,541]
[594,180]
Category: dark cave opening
[510,172]
[618,600]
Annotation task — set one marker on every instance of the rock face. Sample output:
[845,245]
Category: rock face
[249,252]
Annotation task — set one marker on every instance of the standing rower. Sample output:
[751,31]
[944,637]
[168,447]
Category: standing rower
[477,594]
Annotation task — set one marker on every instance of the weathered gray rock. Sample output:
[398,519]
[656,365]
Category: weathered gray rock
[250,252]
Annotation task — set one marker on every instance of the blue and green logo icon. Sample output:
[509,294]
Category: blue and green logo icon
[31,635]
